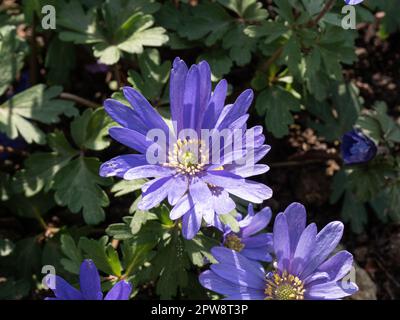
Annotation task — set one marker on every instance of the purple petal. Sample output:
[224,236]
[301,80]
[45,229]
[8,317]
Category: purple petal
[216,103]
[191,98]
[120,291]
[282,242]
[204,92]
[119,165]
[230,257]
[62,289]
[182,207]
[315,278]
[222,202]
[200,194]
[250,210]
[245,189]
[125,116]
[177,89]
[150,117]
[259,240]
[148,171]
[238,109]
[89,280]
[256,295]
[211,281]
[249,171]
[238,276]
[130,138]
[208,215]
[296,219]
[258,222]
[258,254]
[177,189]
[338,265]
[191,223]
[304,249]
[330,291]
[326,241]
[155,193]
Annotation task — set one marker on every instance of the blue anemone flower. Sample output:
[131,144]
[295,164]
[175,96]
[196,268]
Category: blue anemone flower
[248,241]
[197,185]
[357,148]
[90,288]
[302,269]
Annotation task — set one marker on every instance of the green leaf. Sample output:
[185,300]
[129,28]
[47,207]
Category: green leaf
[391,21]
[271,30]
[124,187]
[354,212]
[292,55]
[32,207]
[90,130]
[58,67]
[317,81]
[12,289]
[378,125]
[338,118]
[143,35]
[12,54]
[240,45]
[42,167]
[106,54]
[170,264]
[77,186]
[198,249]
[207,20]
[339,185]
[135,255]
[366,181]
[219,62]
[35,103]
[104,256]
[153,75]
[230,220]
[120,231]
[251,10]
[139,219]
[77,25]
[74,255]
[28,257]
[276,104]
[117,26]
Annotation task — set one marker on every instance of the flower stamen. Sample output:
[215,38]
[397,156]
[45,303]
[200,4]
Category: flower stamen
[284,287]
[188,156]
[232,241]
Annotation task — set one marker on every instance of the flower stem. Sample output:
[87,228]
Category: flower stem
[40,219]
[78,100]
[328,6]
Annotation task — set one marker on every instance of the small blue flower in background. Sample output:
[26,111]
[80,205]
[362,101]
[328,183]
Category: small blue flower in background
[353,2]
[250,244]
[196,188]
[357,148]
[302,269]
[90,287]
[7,144]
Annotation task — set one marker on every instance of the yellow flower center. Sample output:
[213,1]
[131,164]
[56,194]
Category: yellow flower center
[284,287]
[188,156]
[232,241]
